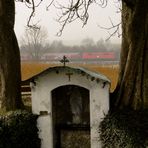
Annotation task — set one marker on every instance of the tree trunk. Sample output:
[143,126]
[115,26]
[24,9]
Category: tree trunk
[132,88]
[10,76]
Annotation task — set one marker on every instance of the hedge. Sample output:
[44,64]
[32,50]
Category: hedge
[125,129]
[18,130]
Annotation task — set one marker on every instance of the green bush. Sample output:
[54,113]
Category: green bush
[18,130]
[125,129]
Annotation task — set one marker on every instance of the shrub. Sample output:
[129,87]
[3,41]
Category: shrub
[18,130]
[125,129]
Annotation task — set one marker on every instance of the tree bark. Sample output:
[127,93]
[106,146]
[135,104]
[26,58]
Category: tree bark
[10,76]
[132,88]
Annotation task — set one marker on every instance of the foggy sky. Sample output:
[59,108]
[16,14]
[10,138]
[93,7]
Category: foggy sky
[73,33]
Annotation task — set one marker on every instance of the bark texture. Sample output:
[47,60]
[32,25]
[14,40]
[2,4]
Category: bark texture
[10,76]
[132,88]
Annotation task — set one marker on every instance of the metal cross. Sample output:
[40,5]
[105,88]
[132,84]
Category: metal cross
[64,60]
[69,75]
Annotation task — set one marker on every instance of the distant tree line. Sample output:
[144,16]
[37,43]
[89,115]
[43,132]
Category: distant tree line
[34,45]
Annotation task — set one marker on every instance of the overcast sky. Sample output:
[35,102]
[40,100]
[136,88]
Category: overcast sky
[73,33]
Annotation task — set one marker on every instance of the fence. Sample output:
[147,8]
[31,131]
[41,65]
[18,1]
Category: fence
[25,89]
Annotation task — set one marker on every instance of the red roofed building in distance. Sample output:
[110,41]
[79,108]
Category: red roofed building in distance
[98,55]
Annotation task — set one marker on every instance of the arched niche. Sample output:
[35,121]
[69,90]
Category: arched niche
[71,116]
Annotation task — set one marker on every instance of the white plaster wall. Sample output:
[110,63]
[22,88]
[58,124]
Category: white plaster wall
[42,101]
[45,131]
[99,106]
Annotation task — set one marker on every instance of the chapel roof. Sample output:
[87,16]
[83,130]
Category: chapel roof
[79,70]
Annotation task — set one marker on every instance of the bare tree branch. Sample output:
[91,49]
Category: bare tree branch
[47,8]
[32,14]
[102,3]
[76,9]
[73,10]
[119,6]
[33,42]
[31,5]
[113,30]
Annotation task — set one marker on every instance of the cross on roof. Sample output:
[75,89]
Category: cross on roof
[64,60]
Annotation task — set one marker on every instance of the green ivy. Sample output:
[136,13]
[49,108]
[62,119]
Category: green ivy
[125,129]
[18,130]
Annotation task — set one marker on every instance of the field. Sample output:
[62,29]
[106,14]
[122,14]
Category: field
[30,69]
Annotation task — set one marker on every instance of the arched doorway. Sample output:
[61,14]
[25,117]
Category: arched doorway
[71,117]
